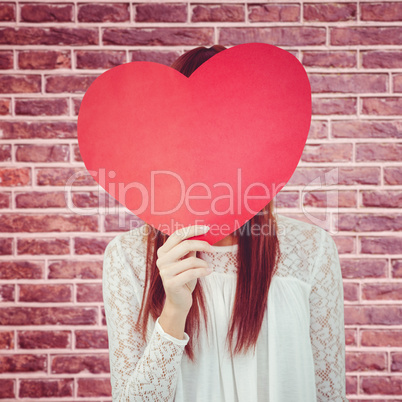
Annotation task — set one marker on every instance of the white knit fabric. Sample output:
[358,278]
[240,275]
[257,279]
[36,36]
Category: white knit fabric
[300,353]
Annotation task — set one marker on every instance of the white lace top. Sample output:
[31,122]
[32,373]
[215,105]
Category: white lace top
[300,353]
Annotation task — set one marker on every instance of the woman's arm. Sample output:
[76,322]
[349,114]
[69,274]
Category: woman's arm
[327,330]
[139,371]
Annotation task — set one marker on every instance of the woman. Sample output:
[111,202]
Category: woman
[289,342]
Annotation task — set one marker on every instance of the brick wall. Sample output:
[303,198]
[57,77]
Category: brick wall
[53,339]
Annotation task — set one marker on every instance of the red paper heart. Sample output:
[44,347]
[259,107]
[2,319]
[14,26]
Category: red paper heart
[240,121]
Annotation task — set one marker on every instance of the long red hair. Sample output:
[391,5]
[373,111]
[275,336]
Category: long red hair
[257,258]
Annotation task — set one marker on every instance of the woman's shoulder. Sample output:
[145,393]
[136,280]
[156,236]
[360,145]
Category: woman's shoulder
[299,229]
[300,243]
[131,246]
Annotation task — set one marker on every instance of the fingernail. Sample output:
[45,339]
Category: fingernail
[204,228]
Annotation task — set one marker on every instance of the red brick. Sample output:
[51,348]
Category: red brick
[91,339]
[373,315]
[396,361]
[5,200]
[160,12]
[393,175]
[278,36]
[378,152]
[359,175]
[47,13]
[113,224]
[88,387]
[381,291]
[62,176]
[381,245]
[329,12]
[84,245]
[45,388]
[89,293]
[94,364]
[350,337]
[351,385]
[318,130]
[6,59]
[96,59]
[76,105]
[346,244]
[46,293]
[382,106]
[72,269]
[5,105]
[6,341]
[335,152]
[397,83]
[20,83]
[13,223]
[5,246]
[364,268]
[287,199]
[382,198]
[215,13]
[381,337]
[7,12]
[5,153]
[366,129]
[12,177]
[366,361]
[68,83]
[165,57]
[37,199]
[273,12]
[381,385]
[44,339]
[381,58]
[324,199]
[389,11]
[23,363]
[52,36]
[92,199]
[77,155]
[346,175]
[369,222]
[365,36]
[351,292]
[104,12]
[158,36]
[48,315]
[329,59]
[42,153]
[7,388]
[7,293]
[43,59]
[18,269]
[41,107]
[38,129]
[43,246]
[330,106]
[396,268]
[349,83]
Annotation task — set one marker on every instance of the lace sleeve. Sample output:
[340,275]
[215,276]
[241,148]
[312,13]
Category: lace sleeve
[139,371]
[327,330]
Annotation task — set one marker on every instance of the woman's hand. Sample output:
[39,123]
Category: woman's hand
[179,267]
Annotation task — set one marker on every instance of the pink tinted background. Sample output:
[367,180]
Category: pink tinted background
[53,339]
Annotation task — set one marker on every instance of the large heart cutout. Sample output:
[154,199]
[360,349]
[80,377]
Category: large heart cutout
[210,149]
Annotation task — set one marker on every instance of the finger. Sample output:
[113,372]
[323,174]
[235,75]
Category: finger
[181,234]
[171,270]
[183,248]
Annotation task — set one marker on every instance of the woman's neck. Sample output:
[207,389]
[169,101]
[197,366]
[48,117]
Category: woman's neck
[226,241]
